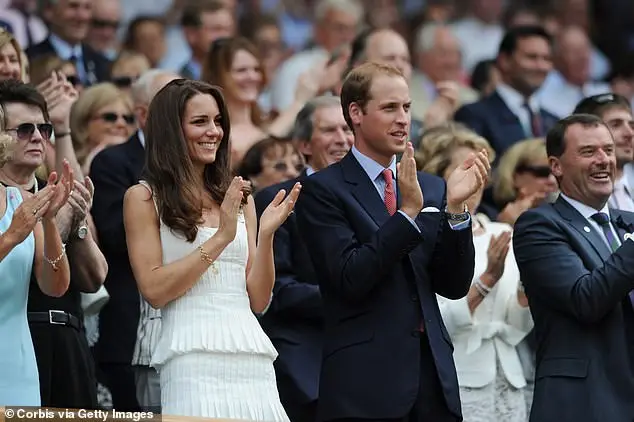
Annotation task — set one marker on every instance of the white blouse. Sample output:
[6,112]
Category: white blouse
[496,327]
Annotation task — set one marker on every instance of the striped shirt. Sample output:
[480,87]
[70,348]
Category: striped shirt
[147,334]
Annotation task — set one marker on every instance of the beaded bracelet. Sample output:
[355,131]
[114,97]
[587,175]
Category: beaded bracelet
[54,262]
[206,258]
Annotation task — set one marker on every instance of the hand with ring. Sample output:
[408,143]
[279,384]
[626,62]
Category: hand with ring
[30,211]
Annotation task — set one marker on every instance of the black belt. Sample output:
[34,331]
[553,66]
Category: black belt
[55,318]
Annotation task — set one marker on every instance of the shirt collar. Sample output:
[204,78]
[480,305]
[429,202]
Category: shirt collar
[514,100]
[141,137]
[371,167]
[585,210]
[65,50]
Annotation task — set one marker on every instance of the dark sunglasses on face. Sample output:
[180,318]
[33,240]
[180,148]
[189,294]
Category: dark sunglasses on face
[282,167]
[113,117]
[103,23]
[73,80]
[123,81]
[537,171]
[25,131]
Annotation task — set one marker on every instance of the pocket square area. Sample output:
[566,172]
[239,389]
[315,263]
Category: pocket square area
[430,209]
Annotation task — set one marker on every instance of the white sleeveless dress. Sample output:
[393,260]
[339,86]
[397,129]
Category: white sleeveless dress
[213,357]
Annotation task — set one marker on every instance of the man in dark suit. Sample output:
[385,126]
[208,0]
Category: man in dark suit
[576,261]
[512,112]
[380,262]
[294,320]
[113,171]
[69,21]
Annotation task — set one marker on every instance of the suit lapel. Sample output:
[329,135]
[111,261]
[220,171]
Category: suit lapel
[363,189]
[583,227]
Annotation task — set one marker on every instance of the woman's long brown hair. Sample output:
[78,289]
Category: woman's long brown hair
[168,167]
[219,61]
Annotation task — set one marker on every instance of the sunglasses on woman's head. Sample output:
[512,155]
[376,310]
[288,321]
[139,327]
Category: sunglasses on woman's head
[537,171]
[25,131]
[113,117]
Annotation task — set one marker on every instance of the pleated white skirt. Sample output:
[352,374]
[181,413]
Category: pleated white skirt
[221,385]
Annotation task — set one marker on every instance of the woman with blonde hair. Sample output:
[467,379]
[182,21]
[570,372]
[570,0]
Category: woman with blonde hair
[487,324]
[12,65]
[523,179]
[101,116]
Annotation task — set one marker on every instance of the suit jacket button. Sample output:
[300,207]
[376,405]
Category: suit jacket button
[414,298]
[415,333]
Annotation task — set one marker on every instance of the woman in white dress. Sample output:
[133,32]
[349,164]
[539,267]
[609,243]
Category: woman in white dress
[191,231]
[487,325]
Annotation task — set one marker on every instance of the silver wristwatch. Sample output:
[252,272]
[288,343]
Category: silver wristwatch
[82,231]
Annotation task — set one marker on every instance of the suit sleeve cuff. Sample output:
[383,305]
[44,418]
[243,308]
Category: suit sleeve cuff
[412,222]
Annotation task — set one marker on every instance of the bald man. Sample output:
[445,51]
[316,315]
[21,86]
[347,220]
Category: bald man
[102,35]
[570,82]
[439,65]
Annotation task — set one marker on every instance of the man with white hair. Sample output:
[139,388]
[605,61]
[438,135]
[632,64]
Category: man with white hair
[438,64]
[336,24]
[128,326]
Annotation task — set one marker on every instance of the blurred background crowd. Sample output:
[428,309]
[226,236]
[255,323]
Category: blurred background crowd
[490,74]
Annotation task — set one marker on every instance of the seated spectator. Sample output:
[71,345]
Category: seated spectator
[43,66]
[102,116]
[127,68]
[485,77]
[271,161]
[493,318]
[146,35]
[523,180]
[264,32]
[234,64]
[10,57]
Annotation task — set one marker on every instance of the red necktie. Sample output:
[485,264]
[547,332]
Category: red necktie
[390,196]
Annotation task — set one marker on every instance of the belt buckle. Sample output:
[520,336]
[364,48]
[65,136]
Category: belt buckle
[51,313]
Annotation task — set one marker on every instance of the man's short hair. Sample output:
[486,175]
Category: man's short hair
[556,138]
[358,83]
[304,124]
[17,92]
[191,17]
[597,105]
[514,35]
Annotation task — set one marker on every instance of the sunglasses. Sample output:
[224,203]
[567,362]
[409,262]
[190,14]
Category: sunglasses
[73,80]
[104,23]
[537,171]
[123,81]
[25,131]
[113,117]
[282,167]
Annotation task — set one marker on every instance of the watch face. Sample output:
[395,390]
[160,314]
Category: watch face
[82,232]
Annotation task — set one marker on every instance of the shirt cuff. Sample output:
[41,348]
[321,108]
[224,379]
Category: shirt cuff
[461,225]
[409,219]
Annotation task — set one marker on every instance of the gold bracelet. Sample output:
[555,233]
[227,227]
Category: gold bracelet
[206,258]
[54,262]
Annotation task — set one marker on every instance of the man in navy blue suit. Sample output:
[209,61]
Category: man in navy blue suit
[576,260]
[294,320]
[381,253]
[513,111]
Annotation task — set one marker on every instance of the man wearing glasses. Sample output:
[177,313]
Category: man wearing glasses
[616,112]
